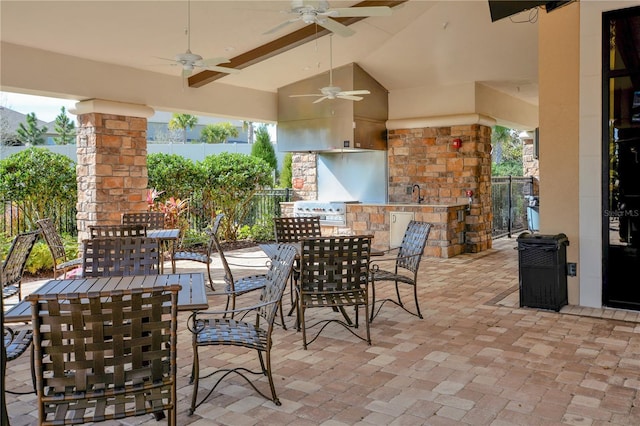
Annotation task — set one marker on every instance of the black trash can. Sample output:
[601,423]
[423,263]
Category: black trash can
[542,261]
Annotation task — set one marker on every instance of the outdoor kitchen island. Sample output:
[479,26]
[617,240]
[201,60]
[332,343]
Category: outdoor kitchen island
[446,239]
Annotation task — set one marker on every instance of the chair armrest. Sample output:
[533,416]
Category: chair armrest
[374,264]
[193,317]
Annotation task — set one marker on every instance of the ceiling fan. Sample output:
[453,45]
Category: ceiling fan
[190,61]
[322,15]
[331,91]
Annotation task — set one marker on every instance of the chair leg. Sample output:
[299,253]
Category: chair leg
[195,378]
[373,299]
[415,296]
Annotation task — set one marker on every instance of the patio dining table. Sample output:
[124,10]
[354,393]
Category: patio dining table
[169,235]
[192,296]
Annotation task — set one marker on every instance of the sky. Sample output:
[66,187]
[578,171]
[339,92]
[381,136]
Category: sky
[46,109]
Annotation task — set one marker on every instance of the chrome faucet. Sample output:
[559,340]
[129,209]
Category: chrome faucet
[413,190]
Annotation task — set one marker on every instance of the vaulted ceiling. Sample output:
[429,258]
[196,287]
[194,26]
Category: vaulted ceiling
[422,42]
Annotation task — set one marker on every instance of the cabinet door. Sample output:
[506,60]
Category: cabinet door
[398,222]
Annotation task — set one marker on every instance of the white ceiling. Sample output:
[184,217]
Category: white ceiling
[422,43]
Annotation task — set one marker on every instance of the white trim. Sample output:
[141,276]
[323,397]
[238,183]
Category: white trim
[441,121]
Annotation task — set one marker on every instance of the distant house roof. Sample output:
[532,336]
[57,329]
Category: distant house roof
[14,118]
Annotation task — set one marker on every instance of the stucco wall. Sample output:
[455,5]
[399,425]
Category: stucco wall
[559,72]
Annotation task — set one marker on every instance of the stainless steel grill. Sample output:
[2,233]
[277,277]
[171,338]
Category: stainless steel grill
[330,212]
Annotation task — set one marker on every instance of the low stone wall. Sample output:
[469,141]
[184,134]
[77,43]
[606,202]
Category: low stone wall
[447,237]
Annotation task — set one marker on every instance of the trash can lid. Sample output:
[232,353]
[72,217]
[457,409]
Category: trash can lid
[529,238]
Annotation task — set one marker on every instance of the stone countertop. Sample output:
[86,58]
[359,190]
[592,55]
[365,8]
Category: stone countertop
[411,205]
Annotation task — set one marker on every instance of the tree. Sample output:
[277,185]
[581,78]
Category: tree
[286,175]
[231,180]
[247,126]
[65,128]
[506,153]
[30,134]
[183,122]
[218,133]
[263,148]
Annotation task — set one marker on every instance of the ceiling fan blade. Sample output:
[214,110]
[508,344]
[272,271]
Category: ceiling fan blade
[354,92]
[221,69]
[350,12]
[350,98]
[303,96]
[321,99]
[335,27]
[213,61]
[281,26]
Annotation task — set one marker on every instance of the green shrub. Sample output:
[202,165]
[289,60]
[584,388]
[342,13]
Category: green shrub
[173,175]
[40,181]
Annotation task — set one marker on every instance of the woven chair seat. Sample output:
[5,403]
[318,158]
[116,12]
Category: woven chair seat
[331,299]
[10,290]
[16,342]
[247,284]
[227,331]
[192,256]
[382,275]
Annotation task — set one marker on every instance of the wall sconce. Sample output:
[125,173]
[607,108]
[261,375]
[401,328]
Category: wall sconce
[469,194]
[456,143]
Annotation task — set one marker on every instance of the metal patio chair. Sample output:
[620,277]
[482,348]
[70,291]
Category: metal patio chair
[334,274]
[291,230]
[106,355]
[221,329]
[138,230]
[120,256]
[15,262]
[61,262]
[152,220]
[407,263]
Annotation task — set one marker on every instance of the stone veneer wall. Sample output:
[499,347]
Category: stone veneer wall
[304,171]
[111,169]
[425,156]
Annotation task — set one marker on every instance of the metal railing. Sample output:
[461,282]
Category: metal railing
[509,199]
[509,196]
[17,218]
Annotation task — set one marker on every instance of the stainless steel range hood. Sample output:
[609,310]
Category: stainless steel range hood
[333,125]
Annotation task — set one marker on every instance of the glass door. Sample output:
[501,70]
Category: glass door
[621,154]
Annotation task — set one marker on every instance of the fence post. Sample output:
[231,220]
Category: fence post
[510,204]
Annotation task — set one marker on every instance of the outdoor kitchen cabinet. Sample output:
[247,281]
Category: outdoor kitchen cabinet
[398,222]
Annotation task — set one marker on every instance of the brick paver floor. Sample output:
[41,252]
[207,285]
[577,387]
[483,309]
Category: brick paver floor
[476,358]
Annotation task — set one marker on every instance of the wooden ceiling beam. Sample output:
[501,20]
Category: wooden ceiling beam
[280,45]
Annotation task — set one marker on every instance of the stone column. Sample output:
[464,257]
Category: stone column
[112,161]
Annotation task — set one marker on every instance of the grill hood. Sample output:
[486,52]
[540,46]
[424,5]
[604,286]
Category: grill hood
[333,124]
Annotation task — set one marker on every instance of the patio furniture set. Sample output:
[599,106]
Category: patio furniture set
[103,345]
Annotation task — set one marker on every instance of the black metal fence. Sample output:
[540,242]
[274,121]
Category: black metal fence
[17,217]
[510,199]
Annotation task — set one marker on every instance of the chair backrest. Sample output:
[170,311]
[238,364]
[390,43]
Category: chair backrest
[213,240]
[106,354]
[53,239]
[13,265]
[152,220]
[123,256]
[334,263]
[138,230]
[292,229]
[276,281]
[213,232]
[412,246]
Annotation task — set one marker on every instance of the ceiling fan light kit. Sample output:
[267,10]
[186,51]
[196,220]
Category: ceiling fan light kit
[190,61]
[319,12]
